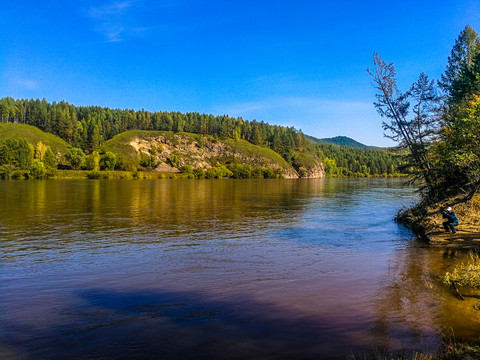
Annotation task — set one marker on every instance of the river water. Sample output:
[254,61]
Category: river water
[227,269]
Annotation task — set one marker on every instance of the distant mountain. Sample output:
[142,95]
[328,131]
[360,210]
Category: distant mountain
[341,140]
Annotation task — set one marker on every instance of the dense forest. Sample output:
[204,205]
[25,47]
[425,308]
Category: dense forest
[86,128]
[437,122]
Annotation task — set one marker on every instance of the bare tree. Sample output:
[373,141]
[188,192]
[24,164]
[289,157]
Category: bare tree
[416,132]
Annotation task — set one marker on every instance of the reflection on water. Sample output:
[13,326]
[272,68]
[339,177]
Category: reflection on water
[218,269]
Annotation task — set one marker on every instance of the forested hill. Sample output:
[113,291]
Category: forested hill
[341,140]
[87,128]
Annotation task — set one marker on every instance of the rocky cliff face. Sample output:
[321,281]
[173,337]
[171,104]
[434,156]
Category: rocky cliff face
[316,172]
[199,152]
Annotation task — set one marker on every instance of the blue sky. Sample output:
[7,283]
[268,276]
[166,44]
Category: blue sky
[293,63]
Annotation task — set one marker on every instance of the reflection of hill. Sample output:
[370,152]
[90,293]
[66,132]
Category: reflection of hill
[97,210]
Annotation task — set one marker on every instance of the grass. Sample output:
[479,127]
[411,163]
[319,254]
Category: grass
[465,274]
[450,350]
[33,135]
[304,159]
[264,155]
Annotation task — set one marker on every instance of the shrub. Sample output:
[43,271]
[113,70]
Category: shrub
[148,161]
[6,171]
[257,172]
[465,274]
[92,161]
[19,174]
[173,160]
[108,161]
[240,171]
[95,174]
[75,157]
[49,160]
[38,170]
[302,172]
[199,173]
[187,169]
[269,173]
[218,172]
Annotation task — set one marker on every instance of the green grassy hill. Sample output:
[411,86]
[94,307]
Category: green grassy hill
[197,151]
[33,135]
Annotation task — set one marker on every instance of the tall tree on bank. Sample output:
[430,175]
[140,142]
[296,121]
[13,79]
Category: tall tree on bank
[458,150]
[413,133]
[460,61]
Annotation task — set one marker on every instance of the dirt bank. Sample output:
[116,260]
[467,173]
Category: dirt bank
[428,224]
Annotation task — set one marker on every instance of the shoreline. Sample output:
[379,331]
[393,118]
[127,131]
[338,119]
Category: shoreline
[427,224]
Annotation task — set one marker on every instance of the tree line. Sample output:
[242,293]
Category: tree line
[341,161]
[437,122]
[86,127]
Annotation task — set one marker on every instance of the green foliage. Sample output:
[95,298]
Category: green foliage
[186,169]
[75,157]
[155,149]
[39,151]
[457,154]
[108,161]
[94,174]
[218,172]
[199,173]
[255,173]
[340,140]
[240,171]
[148,161]
[455,81]
[302,172]
[38,169]
[348,161]
[92,161]
[18,153]
[7,171]
[173,160]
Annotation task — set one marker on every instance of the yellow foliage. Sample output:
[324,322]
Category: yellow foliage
[40,150]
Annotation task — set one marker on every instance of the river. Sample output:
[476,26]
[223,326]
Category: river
[218,269]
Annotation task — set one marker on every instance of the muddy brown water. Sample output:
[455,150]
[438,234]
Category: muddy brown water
[227,269]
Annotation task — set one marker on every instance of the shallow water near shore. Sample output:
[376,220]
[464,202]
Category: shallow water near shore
[226,269]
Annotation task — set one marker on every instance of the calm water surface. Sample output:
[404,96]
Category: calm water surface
[218,270]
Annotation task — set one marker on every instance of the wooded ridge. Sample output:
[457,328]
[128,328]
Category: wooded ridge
[95,139]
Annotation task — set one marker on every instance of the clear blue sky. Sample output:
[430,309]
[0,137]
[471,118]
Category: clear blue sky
[294,63]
